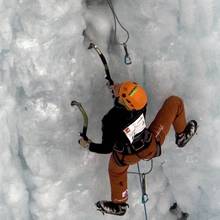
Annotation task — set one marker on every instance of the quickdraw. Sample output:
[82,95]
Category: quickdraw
[127,58]
[142,179]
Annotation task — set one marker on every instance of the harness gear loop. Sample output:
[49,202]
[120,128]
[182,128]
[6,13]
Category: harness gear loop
[119,161]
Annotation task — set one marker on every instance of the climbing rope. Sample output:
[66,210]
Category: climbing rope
[142,178]
[116,19]
[127,58]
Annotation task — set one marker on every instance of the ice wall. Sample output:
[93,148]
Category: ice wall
[44,64]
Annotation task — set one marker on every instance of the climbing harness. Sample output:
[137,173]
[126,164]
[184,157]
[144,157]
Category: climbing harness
[85,118]
[127,58]
[142,178]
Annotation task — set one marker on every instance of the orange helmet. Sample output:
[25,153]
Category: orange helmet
[132,95]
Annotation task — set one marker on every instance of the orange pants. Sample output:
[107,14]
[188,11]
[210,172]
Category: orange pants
[171,113]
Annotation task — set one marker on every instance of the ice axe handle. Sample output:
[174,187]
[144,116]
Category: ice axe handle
[83,134]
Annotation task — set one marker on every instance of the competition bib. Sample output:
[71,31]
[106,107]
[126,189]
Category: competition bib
[136,127]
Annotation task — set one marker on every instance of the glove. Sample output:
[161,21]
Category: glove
[84,143]
[114,89]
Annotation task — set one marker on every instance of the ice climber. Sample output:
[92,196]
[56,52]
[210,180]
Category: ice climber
[128,139]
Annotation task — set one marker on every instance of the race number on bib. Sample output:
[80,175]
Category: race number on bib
[136,127]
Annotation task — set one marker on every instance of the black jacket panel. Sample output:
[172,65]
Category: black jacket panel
[113,124]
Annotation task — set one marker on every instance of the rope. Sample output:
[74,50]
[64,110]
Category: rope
[146,173]
[116,19]
[127,58]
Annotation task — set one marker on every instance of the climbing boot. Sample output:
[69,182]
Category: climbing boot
[109,207]
[183,138]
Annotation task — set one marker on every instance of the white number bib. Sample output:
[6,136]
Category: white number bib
[136,127]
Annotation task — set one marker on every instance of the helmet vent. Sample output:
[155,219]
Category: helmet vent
[123,95]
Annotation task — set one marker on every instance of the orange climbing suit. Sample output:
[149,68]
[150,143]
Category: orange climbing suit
[171,113]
